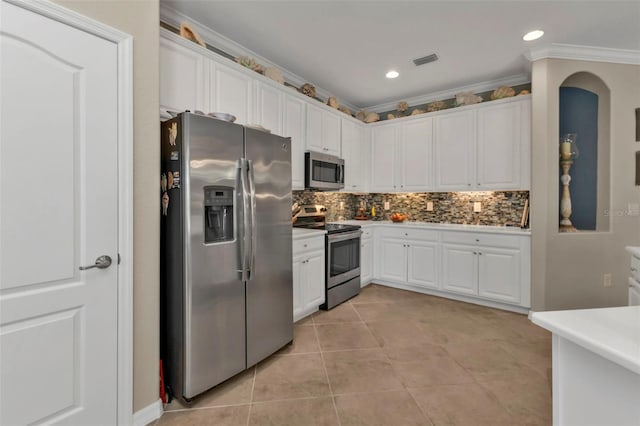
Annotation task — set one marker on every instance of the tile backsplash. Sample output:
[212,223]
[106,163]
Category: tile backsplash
[498,207]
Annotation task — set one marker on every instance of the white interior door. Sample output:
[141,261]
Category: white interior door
[58,211]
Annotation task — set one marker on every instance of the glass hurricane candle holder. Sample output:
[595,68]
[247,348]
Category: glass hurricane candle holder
[568,147]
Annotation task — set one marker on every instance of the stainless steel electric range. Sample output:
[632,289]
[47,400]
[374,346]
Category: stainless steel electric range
[342,254]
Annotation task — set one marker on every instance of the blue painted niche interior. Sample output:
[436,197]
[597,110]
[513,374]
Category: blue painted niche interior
[579,114]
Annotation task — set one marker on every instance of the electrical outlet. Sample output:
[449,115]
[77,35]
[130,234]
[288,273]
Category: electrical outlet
[429,206]
[607,280]
[477,206]
[386,205]
[341,204]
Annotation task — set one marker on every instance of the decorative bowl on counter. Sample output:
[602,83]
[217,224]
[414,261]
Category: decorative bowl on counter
[399,217]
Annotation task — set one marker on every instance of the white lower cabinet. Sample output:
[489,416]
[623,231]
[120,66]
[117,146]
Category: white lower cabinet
[366,257]
[480,266]
[487,266]
[308,275]
[408,257]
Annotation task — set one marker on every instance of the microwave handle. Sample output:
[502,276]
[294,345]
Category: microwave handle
[340,173]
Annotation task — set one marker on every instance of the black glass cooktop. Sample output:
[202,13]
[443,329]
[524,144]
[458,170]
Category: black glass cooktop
[334,228]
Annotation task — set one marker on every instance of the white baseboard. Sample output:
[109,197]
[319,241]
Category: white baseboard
[148,414]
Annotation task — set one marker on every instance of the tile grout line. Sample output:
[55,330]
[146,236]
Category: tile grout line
[253,385]
[424,414]
[326,373]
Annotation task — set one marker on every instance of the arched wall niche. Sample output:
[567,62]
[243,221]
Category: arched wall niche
[585,108]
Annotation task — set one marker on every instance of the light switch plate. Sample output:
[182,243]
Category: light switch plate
[477,206]
[429,206]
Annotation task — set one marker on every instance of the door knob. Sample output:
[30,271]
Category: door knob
[102,262]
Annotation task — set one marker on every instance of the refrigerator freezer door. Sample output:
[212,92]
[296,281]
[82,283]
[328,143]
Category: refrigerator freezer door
[270,284]
[214,293]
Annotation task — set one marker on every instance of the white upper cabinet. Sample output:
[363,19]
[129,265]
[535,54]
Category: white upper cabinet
[182,78]
[269,108]
[383,158]
[323,131]
[416,155]
[499,143]
[401,156]
[355,152]
[454,150]
[484,147]
[295,128]
[231,92]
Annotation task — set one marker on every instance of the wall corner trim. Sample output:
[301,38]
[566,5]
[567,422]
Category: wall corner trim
[148,414]
[584,53]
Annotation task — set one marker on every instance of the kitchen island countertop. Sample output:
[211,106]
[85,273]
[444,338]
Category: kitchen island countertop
[612,333]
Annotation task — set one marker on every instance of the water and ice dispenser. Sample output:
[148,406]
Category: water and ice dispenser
[218,214]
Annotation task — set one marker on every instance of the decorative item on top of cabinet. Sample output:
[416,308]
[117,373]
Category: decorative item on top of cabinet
[274,74]
[417,111]
[250,63]
[344,109]
[467,98]
[308,89]
[524,92]
[190,34]
[402,106]
[333,102]
[436,106]
[371,117]
[502,92]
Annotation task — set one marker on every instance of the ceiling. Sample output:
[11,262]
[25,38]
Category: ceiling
[346,47]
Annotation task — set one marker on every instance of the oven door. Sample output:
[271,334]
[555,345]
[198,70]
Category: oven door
[343,257]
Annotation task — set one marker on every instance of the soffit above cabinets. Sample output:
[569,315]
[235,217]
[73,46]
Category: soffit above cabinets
[347,47]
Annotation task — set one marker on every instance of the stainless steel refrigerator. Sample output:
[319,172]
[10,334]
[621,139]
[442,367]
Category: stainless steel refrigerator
[226,269]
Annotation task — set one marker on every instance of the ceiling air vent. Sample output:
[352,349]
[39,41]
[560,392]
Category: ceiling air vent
[425,60]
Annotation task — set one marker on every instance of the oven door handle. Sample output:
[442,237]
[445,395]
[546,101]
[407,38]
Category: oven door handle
[333,238]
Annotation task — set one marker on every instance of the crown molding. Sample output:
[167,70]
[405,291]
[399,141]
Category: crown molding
[584,53]
[217,40]
[450,93]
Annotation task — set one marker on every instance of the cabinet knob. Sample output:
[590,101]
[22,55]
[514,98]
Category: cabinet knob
[477,240]
[475,252]
[305,245]
[480,253]
[405,234]
[478,183]
[468,184]
[401,186]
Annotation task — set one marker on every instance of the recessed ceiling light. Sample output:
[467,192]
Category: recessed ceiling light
[392,74]
[533,35]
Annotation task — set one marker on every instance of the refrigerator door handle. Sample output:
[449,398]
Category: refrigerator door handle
[245,229]
[254,231]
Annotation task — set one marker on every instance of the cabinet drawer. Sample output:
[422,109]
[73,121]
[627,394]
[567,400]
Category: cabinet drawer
[635,268]
[366,233]
[491,240]
[307,244]
[409,233]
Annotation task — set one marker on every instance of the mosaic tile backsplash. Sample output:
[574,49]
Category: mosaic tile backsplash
[498,208]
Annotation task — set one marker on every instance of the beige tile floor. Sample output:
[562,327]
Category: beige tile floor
[391,357]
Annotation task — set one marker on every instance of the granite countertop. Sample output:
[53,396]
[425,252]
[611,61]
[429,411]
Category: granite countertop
[612,333]
[634,250]
[512,230]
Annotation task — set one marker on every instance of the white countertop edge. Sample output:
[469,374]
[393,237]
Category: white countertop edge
[599,331]
[633,250]
[442,226]
[299,233]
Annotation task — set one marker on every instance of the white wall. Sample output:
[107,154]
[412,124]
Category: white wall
[568,268]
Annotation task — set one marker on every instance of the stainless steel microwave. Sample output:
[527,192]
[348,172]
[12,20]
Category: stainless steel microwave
[323,172]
